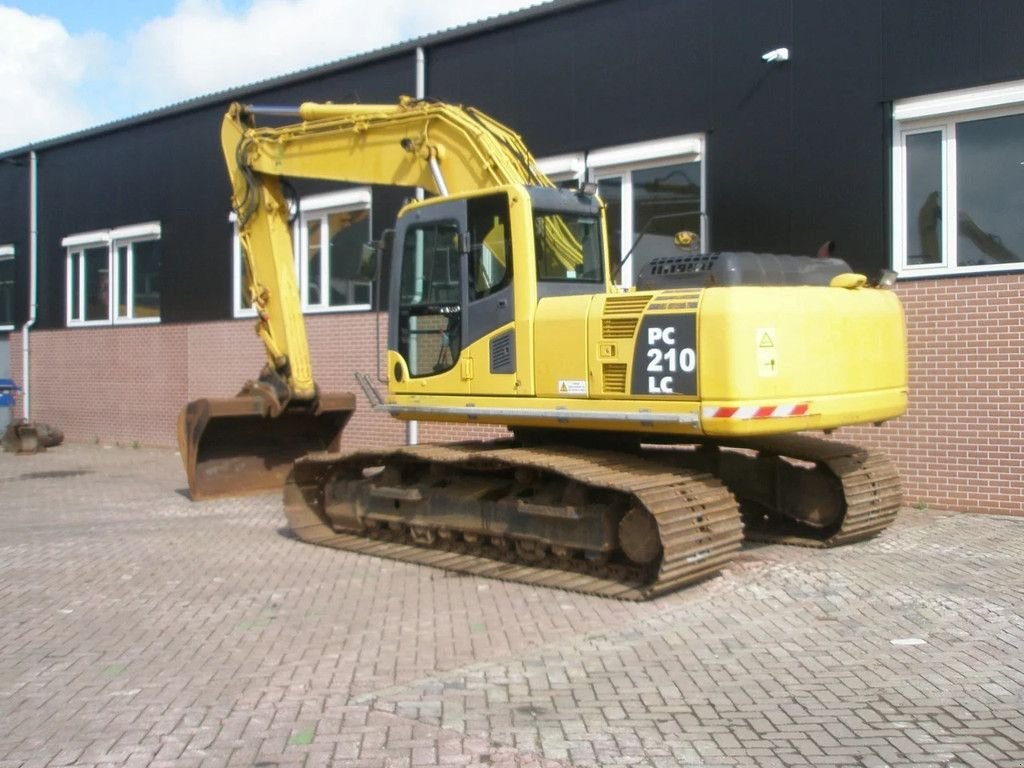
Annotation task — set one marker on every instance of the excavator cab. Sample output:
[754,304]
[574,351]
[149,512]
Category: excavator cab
[467,273]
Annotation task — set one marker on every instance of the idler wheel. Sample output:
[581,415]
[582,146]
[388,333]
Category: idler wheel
[638,536]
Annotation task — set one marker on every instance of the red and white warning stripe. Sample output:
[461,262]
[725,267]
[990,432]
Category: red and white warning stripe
[757,411]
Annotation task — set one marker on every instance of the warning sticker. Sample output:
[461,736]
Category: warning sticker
[767,353]
[572,387]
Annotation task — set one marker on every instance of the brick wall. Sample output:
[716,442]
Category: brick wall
[106,384]
[959,446]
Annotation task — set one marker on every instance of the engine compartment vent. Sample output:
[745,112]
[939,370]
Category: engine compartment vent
[503,353]
[622,315]
[614,377]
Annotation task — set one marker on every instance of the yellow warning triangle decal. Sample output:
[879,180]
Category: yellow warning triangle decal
[766,341]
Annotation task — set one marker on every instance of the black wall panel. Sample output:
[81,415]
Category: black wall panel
[929,46]
[14,183]
[604,74]
[749,158]
[841,133]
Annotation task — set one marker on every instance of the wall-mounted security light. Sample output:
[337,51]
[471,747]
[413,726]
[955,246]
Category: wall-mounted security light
[778,55]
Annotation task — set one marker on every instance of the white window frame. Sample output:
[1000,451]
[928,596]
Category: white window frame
[320,207]
[236,272]
[312,206]
[562,168]
[621,161]
[7,254]
[941,112]
[111,239]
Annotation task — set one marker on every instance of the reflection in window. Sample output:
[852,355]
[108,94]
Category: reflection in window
[145,280]
[75,287]
[568,247]
[313,262]
[666,200]
[990,191]
[924,197]
[348,232]
[646,208]
[96,268]
[333,251]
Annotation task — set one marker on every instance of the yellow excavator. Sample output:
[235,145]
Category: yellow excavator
[651,427]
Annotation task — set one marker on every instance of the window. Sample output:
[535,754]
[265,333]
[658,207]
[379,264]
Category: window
[331,230]
[113,275]
[654,189]
[958,181]
[6,287]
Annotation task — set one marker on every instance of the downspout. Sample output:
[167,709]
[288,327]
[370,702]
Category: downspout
[412,429]
[33,256]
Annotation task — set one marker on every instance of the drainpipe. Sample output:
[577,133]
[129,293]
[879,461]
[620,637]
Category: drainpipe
[33,256]
[412,429]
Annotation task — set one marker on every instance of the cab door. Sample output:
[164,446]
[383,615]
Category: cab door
[429,297]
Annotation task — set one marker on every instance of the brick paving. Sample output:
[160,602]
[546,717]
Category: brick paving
[140,629]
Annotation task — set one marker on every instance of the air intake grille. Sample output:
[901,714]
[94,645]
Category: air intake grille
[621,315]
[503,354]
[618,327]
[684,300]
[614,378]
[627,304]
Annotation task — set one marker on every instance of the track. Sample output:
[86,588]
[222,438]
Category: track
[870,484]
[679,522]
[695,518]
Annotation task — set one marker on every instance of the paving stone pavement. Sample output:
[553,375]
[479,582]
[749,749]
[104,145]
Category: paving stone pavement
[140,629]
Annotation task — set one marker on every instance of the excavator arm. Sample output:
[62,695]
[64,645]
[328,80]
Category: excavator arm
[248,443]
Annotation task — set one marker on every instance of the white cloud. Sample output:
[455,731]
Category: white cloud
[55,83]
[204,47]
[40,68]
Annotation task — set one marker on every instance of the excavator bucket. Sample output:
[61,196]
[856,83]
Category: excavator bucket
[234,446]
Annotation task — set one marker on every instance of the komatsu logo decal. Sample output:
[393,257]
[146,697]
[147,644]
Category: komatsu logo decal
[665,356]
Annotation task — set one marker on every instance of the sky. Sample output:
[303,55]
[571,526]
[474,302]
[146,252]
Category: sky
[68,65]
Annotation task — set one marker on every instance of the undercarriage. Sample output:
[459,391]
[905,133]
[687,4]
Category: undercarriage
[630,524]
